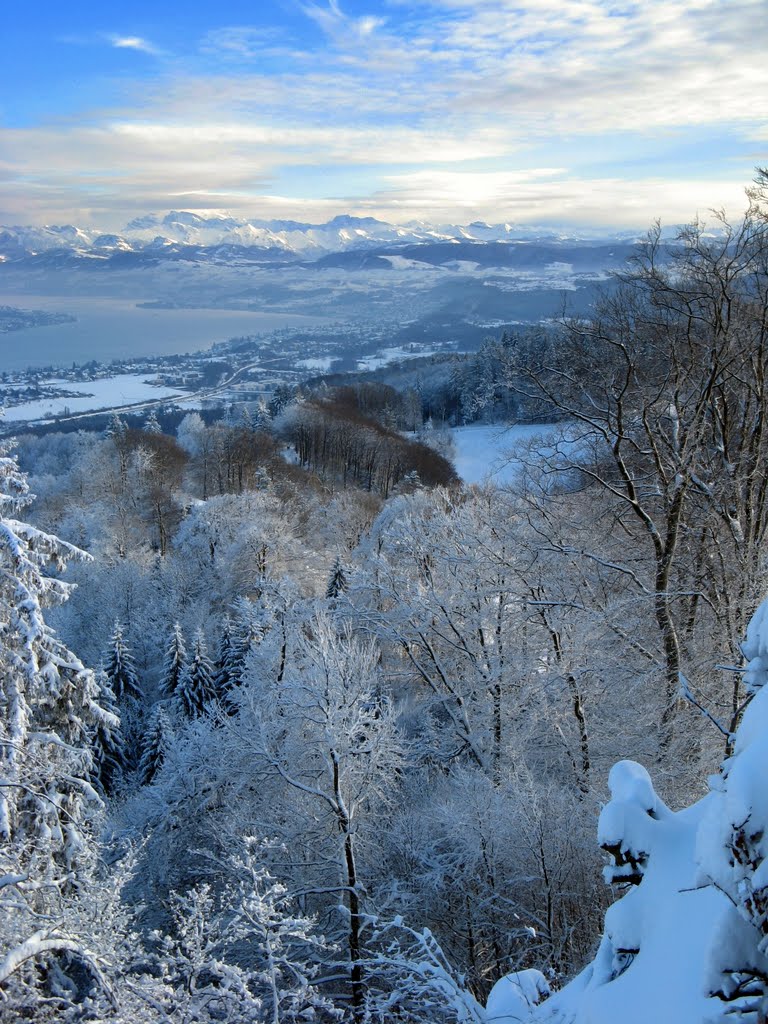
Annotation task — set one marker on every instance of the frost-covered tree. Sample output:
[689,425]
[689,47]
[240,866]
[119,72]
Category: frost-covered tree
[48,711]
[196,688]
[175,660]
[666,387]
[284,948]
[152,424]
[328,737]
[227,669]
[190,432]
[411,979]
[444,590]
[241,955]
[107,743]
[200,985]
[246,633]
[157,743]
[120,670]
[120,667]
[337,583]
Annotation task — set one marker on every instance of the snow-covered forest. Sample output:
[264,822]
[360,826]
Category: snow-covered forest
[310,731]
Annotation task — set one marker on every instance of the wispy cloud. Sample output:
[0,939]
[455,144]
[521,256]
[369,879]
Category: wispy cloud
[247,42]
[134,43]
[341,27]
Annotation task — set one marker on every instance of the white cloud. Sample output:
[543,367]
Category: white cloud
[340,27]
[248,42]
[134,43]
[554,196]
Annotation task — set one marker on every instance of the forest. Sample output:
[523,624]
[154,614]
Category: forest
[310,731]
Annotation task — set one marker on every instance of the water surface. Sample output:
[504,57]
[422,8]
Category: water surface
[108,329]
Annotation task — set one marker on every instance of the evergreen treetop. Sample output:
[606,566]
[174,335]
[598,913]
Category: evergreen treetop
[121,668]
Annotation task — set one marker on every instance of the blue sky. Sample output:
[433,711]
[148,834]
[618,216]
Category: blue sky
[571,112]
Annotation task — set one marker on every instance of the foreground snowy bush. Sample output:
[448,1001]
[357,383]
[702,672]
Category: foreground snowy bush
[688,940]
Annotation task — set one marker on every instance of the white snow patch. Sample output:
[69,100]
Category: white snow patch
[514,996]
[390,355]
[322,363]
[403,263]
[485,454]
[652,961]
[106,393]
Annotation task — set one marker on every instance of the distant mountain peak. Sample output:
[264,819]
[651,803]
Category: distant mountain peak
[347,220]
[197,220]
[149,220]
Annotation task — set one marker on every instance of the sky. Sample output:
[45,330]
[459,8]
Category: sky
[551,112]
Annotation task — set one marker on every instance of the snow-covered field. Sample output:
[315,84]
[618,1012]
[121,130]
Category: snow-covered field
[486,454]
[321,363]
[124,389]
[390,355]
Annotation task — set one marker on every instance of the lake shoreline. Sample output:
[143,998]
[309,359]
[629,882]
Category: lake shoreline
[118,330]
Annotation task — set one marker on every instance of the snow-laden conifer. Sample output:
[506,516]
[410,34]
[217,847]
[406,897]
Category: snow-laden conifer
[48,711]
[117,427]
[152,424]
[260,417]
[338,583]
[196,688]
[158,740]
[175,660]
[245,635]
[108,744]
[224,659]
[121,668]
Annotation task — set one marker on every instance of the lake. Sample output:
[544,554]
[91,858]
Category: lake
[108,329]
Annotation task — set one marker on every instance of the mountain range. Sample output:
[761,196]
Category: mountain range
[186,235]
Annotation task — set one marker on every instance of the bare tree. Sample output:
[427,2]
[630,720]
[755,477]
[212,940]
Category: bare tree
[664,395]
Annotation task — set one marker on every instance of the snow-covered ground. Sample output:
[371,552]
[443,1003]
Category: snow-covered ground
[390,355]
[486,454]
[321,363]
[124,389]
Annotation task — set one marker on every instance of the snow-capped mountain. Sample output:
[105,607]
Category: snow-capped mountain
[293,239]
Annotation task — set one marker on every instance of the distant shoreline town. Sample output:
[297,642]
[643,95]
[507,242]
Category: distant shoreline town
[14,319]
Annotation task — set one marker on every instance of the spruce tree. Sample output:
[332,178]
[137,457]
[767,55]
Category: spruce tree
[152,424]
[338,583]
[117,427]
[175,660]
[48,711]
[261,417]
[121,668]
[226,661]
[246,633]
[196,688]
[108,745]
[156,746]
